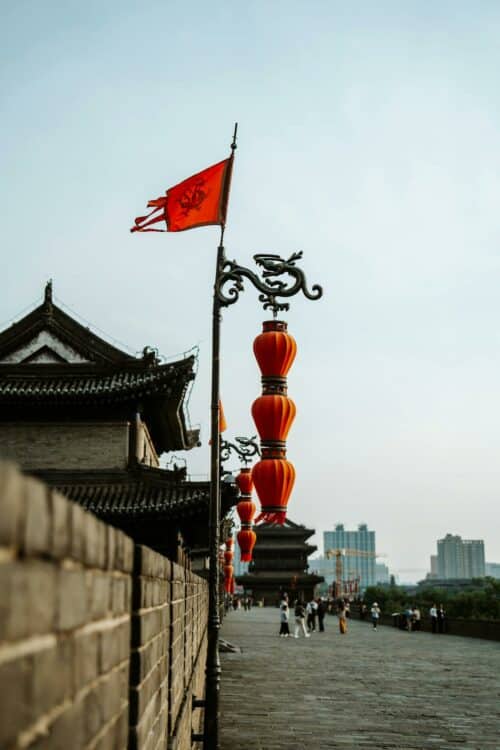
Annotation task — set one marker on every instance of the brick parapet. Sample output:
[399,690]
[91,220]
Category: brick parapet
[66,589]
[102,645]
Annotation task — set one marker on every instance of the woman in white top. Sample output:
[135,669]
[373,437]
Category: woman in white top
[375,613]
[284,628]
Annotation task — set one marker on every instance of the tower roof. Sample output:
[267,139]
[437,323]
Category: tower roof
[50,360]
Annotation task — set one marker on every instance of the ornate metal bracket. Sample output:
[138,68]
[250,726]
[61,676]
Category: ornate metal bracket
[246,449]
[269,286]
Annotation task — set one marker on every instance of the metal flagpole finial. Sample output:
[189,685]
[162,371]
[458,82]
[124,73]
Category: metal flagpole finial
[233,144]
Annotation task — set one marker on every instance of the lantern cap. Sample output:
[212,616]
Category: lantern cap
[274,325]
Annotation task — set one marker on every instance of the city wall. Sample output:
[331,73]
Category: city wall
[488,629]
[102,643]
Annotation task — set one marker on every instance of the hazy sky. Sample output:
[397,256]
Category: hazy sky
[369,139]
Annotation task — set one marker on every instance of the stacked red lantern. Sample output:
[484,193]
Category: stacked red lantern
[228,566]
[246,511]
[273,414]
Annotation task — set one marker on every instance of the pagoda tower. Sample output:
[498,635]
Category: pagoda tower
[280,564]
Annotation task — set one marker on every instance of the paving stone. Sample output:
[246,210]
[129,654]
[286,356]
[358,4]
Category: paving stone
[386,689]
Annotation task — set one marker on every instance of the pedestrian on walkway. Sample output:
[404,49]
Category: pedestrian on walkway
[408,617]
[300,616]
[321,614]
[284,613]
[311,610]
[342,617]
[440,618]
[417,620]
[375,613]
[434,617]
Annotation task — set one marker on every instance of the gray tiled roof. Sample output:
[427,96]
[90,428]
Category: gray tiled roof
[139,493]
[117,385]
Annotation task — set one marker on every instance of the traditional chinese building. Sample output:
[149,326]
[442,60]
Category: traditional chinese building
[280,564]
[92,421]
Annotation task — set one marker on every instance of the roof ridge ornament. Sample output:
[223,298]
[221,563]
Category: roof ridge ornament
[48,292]
[47,302]
[150,356]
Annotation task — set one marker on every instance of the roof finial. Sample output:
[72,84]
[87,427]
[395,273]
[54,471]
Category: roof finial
[48,292]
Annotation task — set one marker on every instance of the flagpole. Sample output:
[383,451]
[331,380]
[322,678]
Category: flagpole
[213,668]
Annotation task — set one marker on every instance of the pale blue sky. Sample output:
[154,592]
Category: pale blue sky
[369,139]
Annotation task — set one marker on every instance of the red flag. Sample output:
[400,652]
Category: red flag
[222,418]
[196,202]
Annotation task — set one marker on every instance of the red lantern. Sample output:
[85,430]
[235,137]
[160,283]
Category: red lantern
[246,541]
[228,577]
[228,557]
[273,413]
[274,479]
[246,510]
[229,543]
[273,416]
[244,481]
[274,348]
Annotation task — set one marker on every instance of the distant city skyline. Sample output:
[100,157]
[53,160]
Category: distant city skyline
[455,558]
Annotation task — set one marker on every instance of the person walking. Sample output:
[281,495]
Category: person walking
[408,617]
[342,615]
[284,614]
[434,616]
[300,624]
[417,619]
[440,618]
[311,609]
[375,613]
[321,611]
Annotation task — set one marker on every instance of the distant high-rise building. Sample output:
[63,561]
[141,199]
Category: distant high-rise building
[354,565]
[492,569]
[434,566]
[382,574]
[460,558]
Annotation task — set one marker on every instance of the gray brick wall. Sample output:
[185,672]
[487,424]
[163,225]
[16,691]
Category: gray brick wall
[150,650]
[101,645]
[64,445]
[65,609]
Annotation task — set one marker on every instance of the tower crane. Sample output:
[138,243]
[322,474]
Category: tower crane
[338,554]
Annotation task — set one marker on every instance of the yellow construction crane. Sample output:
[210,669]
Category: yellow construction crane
[339,554]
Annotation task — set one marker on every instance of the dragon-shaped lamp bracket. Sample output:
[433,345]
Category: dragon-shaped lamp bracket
[246,449]
[269,286]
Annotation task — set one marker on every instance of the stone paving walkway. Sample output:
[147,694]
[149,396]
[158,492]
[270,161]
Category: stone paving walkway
[363,690]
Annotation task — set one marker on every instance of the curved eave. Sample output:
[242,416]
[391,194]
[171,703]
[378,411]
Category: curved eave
[144,493]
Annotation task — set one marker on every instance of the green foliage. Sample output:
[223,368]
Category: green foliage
[480,602]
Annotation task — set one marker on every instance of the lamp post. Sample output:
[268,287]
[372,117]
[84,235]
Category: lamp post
[229,283]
